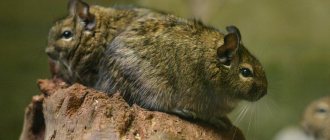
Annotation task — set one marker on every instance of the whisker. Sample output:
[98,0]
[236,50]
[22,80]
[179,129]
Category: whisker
[255,120]
[273,103]
[268,109]
[249,123]
[240,115]
[234,134]
[251,115]
[271,106]
[246,111]
[251,120]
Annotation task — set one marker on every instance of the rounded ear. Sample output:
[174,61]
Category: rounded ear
[72,7]
[229,48]
[234,29]
[81,10]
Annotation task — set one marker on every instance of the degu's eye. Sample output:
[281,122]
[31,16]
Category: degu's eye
[321,110]
[246,72]
[67,35]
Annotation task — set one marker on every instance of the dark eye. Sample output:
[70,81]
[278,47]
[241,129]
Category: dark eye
[246,72]
[321,110]
[67,34]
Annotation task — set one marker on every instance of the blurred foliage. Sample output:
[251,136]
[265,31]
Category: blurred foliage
[289,37]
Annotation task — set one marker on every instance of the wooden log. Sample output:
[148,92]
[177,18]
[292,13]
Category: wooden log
[76,112]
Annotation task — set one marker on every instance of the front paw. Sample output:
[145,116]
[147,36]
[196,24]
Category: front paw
[222,123]
[185,113]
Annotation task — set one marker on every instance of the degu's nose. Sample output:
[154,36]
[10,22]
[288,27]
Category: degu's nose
[51,52]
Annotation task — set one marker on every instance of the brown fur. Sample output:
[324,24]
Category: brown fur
[159,61]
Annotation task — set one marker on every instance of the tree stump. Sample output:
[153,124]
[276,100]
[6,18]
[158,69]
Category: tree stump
[76,112]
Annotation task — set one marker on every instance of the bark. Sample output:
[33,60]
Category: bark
[76,112]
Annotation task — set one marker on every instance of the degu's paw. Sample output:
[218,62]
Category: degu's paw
[185,113]
[222,123]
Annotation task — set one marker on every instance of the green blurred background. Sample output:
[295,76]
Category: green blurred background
[291,38]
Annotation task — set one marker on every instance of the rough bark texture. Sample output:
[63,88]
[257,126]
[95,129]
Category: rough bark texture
[76,112]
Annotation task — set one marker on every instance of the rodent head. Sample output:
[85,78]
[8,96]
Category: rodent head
[245,75]
[316,119]
[68,34]
[65,35]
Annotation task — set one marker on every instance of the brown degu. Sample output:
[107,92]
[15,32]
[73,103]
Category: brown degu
[157,60]
[316,119]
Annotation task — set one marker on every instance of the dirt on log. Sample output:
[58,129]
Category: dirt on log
[76,112]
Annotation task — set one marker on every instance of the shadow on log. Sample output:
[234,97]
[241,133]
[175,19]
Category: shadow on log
[77,112]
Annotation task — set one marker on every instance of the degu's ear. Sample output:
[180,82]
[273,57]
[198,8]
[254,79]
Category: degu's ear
[229,48]
[81,10]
